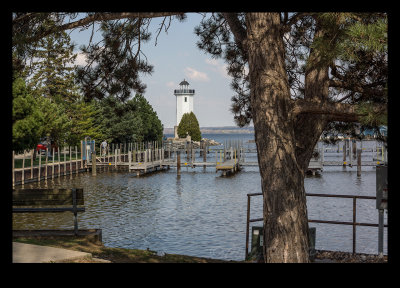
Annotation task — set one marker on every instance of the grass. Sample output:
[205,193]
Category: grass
[18,162]
[115,255]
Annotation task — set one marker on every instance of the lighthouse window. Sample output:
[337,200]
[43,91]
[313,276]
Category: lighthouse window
[185,99]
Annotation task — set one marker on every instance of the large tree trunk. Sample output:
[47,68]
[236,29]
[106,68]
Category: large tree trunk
[282,178]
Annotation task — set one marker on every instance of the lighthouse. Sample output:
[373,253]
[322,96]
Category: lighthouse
[184,102]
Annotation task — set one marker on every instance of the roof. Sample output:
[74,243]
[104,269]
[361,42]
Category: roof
[184,82]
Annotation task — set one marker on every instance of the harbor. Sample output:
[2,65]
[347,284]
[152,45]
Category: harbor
[143,158]
[200,212]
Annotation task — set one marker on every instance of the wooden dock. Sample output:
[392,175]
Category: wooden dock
[143,158]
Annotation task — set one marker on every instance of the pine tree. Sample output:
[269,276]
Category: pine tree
[189,126]
[27,117]
[83,123]
[52,69]
[130,121]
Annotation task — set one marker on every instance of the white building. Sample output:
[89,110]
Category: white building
[184,102]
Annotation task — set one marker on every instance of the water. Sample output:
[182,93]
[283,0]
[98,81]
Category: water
[203,214]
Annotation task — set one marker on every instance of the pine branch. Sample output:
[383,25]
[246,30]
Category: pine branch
[93,18]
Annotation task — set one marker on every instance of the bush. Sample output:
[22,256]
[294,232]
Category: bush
[189,125]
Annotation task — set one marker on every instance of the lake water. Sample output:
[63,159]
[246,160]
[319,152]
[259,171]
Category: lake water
[202,213]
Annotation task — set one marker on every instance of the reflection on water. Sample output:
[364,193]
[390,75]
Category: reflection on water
[203,214]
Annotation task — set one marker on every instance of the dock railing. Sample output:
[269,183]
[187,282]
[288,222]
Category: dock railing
[354,222]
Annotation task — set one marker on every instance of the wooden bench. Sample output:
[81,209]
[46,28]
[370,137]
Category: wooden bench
[45,200]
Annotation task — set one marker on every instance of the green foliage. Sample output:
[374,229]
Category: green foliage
[371,117]
[189,125]
[56,123]
[130,121]
[27,119]
[118,63]
[52,71]
[369,37]
[152,128]
[83,117]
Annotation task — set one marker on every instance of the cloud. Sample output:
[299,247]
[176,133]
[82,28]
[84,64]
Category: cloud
[80,59]
[193,74]
[170,84]
[218,67]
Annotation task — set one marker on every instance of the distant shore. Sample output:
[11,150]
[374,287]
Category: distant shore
[219,130]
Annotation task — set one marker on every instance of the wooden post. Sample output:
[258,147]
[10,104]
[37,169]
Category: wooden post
[204,155]
[161,156]
[23,168]
[81,153]
[359,162]
[354,149]
[129,159]
[59,172]
[45,172]
[94,163]
[13,168]
[187,152]
[224,152]
[76,159]
[178,163]
[193,153]
[32,163]
[40,164]
[344,153]
[65,162]
[52,166]
[70,161]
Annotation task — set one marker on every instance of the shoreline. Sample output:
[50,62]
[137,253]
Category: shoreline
[122,255]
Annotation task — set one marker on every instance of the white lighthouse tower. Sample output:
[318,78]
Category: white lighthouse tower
[184,102]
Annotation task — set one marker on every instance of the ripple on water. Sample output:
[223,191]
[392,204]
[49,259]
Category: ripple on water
[203,214]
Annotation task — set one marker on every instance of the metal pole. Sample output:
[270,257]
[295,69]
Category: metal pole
[354,224]
[380,233]
[247,227]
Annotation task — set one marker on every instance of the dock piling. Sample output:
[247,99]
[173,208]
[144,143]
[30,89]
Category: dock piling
[359,162]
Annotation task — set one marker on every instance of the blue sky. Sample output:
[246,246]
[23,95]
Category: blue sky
[175,58]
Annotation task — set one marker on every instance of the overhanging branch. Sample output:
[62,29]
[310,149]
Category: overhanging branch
[97,17]
[334,111]
[239,32]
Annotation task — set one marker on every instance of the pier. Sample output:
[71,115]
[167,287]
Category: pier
[143,158]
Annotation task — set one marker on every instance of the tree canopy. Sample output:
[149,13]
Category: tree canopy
[130,121]
[189,126]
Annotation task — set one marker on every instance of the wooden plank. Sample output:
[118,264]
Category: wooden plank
[53,209]
[25,197]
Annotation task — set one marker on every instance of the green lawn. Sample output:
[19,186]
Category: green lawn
[18,162]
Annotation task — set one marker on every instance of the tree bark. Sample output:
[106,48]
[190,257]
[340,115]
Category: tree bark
[282,178]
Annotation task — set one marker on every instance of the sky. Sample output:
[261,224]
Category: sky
[175,58]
